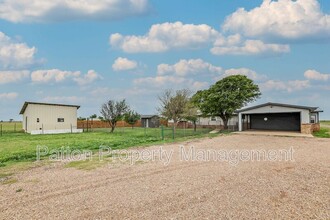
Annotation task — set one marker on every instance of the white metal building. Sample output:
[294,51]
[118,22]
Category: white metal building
[47,118]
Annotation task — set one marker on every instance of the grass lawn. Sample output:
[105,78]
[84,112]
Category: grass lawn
[324,131]
[21,147]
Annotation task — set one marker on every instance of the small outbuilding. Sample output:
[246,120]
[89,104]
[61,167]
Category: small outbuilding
[279,117]
[150,121]
[48,118]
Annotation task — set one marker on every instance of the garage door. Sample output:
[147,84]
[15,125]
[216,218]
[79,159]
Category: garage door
[276,121]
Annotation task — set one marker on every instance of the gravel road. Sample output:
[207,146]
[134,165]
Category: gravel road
[193,189]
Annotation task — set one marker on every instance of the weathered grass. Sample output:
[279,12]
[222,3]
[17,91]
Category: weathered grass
[20,147]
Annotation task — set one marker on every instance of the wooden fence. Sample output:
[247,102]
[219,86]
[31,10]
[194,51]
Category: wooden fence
[102,124]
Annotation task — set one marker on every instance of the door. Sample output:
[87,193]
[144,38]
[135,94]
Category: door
[276,121]
[26,123]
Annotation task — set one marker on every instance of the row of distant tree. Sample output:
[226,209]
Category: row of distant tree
[10,120]
[221,99]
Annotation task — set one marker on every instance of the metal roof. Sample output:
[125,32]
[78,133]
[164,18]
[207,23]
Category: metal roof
[313,109]
[149,116]
[40,103]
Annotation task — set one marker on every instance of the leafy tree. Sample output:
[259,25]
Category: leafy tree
[81,118]
[101,118]
[173,104]
[113,111]
[131,117]
[226,96]
[191,113]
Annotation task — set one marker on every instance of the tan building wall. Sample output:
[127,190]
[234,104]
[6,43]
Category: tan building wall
[48,116]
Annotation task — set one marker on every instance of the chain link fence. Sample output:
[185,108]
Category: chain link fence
[160,133]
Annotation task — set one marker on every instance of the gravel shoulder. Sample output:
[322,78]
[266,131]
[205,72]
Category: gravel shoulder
[197,189]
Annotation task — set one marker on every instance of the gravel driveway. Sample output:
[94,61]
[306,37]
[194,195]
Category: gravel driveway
[193,189]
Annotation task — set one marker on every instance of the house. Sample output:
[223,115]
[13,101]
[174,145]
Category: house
[150,121]
[47,118]
[279,117]
[212,122]
[216,121]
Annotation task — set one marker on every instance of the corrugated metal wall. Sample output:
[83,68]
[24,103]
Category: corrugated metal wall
[48,117]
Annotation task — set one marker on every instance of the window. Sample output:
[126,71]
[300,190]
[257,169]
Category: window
[213,118]
[313,119]
[60,120]
[38,120]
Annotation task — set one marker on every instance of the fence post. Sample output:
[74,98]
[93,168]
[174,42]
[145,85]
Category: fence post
[87,124]
[173,132]
[0,129]
[71,128]
[162,131]
[184,129]
[15,127]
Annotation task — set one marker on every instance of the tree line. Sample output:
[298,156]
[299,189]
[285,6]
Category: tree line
[221,99]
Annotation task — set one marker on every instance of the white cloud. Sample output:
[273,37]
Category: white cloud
[315,75]
[14,55]
[59,10]
[184,67]
[88,78]
[166,36]
[13,76]
[250,47]
[8,96]
[288,86]
[246,72]
[122,64]
[285,19]
[52,75]
[56,75]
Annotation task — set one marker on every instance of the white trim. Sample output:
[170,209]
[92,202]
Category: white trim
[61,131]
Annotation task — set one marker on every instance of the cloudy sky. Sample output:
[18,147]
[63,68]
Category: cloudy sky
[88,51]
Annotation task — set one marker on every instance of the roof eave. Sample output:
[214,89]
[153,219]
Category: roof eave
[40,103]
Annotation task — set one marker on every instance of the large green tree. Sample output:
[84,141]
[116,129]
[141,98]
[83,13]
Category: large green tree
[226,96]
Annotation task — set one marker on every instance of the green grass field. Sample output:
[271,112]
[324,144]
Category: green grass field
[18,147]
[324,131]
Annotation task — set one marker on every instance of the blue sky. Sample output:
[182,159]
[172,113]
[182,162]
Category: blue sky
[88,52]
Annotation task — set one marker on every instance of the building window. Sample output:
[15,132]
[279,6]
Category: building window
[213,118]
[313,119]
[60,120]
[38,120]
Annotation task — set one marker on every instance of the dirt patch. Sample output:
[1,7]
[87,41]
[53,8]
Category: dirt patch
[211,189]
